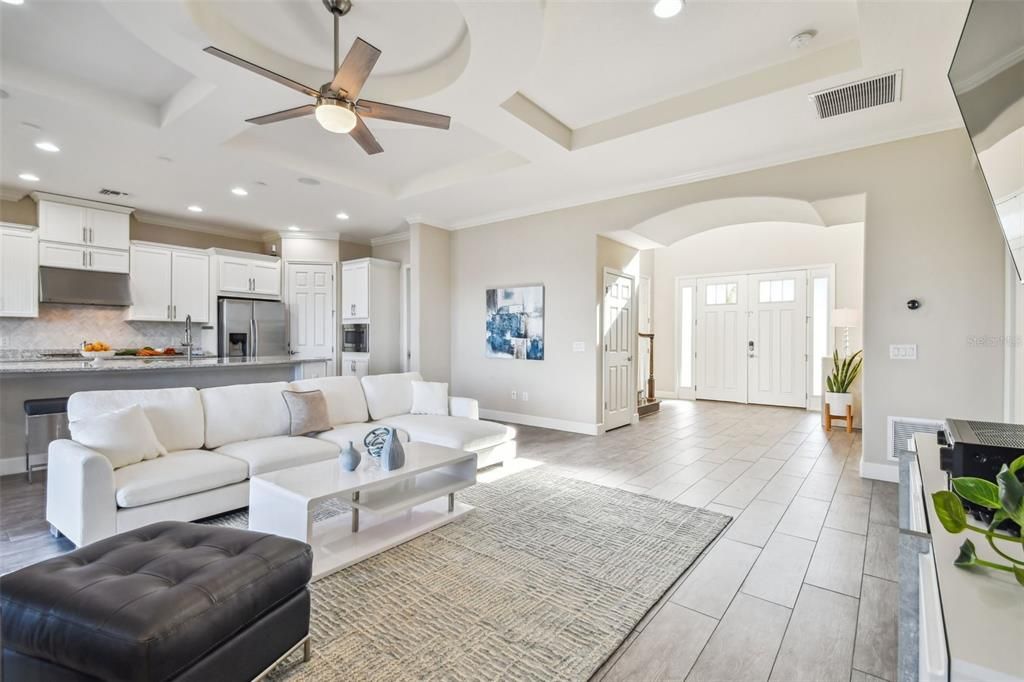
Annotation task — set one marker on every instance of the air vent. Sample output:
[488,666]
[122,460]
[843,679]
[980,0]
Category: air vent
[902,429]
[871,92]
[113,193]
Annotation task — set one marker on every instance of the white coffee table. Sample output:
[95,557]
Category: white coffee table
[388,507]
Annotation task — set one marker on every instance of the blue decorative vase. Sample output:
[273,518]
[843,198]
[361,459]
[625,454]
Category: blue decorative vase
[349,457]
[392,456]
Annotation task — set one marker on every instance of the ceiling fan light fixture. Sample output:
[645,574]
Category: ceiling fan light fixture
[335,117]
[665,9]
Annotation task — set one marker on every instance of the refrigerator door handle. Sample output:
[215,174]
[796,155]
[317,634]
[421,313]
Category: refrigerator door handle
[250,351]
[255,338]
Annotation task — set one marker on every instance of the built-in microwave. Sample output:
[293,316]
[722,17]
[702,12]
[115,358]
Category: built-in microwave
[355,338]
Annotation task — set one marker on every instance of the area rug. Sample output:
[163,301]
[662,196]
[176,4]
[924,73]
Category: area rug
[542,581]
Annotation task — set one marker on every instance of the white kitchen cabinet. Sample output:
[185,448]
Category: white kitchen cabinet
[55,255]
[82,222]
[266,278]
[354,366]
[355,290]
[235,275]
[169,283]
[150,283]
[313,369]
[190,286]
[107,260]
[19,271]
[254,276]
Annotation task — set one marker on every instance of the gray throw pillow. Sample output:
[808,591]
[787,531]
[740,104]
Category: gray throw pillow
[308,411]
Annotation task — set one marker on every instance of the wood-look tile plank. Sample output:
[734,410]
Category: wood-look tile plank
[741,491]
[884,504]
[745,643]
[882,555]
[818,646]
[779,570]
[666,648]
[757,522]
[701,492]
[875,648]
[819,486]
[804,518]
[765,469]
[781,489]
[850,483]
[838,562]
[849,513]
[729,471]
[711,586]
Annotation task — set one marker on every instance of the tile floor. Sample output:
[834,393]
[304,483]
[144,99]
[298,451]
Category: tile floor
[801,586]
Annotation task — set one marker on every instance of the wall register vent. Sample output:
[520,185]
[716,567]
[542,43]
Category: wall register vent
[863,94]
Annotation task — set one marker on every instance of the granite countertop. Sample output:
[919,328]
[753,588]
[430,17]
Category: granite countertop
[132,364]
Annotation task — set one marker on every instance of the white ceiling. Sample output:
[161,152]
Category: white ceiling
[612,100]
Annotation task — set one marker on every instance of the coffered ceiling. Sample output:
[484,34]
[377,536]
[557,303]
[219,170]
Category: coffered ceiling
[553,104]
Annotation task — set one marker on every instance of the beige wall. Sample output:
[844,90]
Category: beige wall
[430,260]
[295,248]
[396,251]
[352,250]
[161,234]
[22,211]
[743,248]
[930,233]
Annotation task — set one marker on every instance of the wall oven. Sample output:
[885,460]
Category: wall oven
[355,338]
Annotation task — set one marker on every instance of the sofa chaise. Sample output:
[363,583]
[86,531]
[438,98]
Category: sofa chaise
[217,438]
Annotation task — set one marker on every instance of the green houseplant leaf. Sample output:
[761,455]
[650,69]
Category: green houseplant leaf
[1018,573]
[978,491]
[968,555]
[1017,464]
[1011,495]
[950,511]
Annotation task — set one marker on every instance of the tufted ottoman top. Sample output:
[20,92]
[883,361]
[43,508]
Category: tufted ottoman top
[146,604]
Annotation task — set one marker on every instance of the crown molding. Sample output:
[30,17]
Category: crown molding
[12,194]
[991,71]
[390,239]
[325,235]
[75,201]
[726,170]
[195,226]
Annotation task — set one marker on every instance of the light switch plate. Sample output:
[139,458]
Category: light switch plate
[903,351]
[579,347]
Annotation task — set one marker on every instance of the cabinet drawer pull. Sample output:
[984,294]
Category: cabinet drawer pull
[85,260]
[90,259]
[91,238]
[85,235]
[168,311]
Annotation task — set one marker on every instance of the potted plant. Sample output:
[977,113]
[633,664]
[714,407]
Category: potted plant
[844,371]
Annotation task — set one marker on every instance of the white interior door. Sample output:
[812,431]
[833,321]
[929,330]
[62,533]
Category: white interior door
[721,339]
[619,342]
[777,338]
[311,311]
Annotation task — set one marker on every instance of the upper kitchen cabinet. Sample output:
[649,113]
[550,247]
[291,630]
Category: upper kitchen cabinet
[355,290]
[19,271]
[86,223]
[246,275]
[169,283]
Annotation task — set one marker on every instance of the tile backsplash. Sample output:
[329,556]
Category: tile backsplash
[66,326]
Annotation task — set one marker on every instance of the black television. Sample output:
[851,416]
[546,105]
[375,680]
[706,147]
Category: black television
[987,77]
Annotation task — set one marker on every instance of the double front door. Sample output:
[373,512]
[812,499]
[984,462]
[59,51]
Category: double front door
[751,338]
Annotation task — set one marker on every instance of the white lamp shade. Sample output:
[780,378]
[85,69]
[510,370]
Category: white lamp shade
[336,119]
[845,317]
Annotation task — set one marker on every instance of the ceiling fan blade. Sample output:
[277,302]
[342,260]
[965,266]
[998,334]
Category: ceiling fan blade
[304,110]
[365,138]
[266,73]
[390,112]
[355,69]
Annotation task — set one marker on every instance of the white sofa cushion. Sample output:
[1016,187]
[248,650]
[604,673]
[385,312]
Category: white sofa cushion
[341,435]
[389,394]
[176,414]
[244,412]
[264,455]
[344,395]
[175,475]
[429,397]
[454,432]
[123,436]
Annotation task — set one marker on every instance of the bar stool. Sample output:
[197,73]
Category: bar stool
[38,409]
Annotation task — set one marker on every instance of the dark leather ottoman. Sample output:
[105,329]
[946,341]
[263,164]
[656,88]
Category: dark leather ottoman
[171,600]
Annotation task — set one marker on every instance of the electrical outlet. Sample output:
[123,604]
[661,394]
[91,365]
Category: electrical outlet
[903,351]
[515,395]
[526,396]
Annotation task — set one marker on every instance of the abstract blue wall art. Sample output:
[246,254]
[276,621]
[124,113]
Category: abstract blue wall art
[515,323]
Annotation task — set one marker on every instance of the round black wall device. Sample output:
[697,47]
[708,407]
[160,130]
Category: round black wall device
[913,304]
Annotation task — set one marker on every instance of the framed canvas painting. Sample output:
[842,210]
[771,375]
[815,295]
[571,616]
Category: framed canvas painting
[515,323]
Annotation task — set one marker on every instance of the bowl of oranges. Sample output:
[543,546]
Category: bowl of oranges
[96,350]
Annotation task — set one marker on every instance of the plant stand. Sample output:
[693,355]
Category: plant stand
[829,417]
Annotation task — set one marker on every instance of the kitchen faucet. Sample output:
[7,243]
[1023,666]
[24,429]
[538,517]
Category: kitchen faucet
[188,336]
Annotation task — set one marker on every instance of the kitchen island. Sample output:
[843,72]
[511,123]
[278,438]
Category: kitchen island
[27,379]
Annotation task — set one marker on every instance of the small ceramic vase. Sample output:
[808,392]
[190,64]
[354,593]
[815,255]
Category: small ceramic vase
[349,457]
[392,456]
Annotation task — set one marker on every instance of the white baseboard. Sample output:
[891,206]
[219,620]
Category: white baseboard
[542,422]
[880,472]
[16,465]
[671,395]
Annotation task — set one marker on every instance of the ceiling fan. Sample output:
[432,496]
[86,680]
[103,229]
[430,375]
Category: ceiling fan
[338,107]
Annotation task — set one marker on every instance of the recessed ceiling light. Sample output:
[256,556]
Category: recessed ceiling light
[195,209]
[663,9]
[13,2]
[802,39]
[342,216]
[309,181]
[47,146]
[30,177]
[239,191]
[293,228]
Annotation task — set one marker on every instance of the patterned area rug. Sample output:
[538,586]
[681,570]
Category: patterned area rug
[542,581]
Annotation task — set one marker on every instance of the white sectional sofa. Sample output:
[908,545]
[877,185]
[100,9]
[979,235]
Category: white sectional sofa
[217,438]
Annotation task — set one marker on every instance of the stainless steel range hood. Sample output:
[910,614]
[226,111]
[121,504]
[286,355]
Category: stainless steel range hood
[84,287]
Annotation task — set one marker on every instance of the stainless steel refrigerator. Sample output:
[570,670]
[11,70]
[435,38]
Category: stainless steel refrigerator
[247,328]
